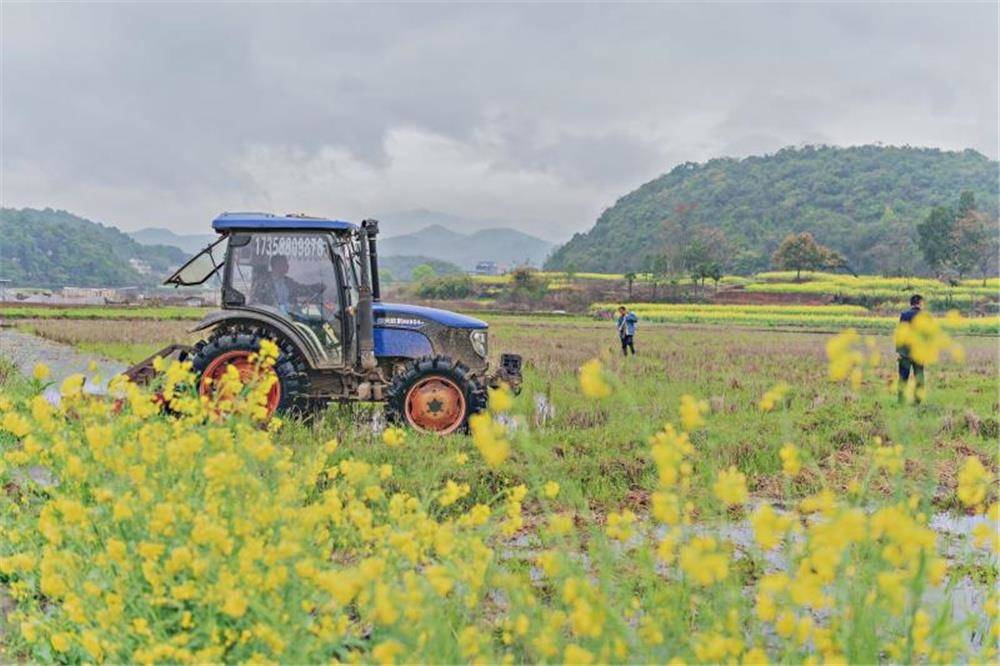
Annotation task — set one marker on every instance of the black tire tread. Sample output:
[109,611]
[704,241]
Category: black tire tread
[290,365]
[475,393]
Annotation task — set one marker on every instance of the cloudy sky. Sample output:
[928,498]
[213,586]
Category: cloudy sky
[166,114]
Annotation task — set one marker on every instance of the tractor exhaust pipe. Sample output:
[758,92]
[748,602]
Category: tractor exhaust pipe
[366,324]
[371,229]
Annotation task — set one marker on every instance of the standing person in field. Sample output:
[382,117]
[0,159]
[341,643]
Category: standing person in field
[626,329]
[906,363]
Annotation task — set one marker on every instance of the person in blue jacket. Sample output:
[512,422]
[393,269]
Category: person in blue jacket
[626,329]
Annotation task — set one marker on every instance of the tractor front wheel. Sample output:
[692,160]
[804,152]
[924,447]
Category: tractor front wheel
[435,395]
[236,348]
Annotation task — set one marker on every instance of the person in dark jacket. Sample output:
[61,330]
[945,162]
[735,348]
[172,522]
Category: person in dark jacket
[906,363]
[626,329]
[280,291]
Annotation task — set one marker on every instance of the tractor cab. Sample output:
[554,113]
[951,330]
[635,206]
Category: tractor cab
[311,285]
[301,271]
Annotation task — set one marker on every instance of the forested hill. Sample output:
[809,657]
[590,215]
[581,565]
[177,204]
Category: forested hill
[53,248]
[864,201]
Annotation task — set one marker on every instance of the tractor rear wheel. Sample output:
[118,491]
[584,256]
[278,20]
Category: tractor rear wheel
[235,348]
[435,395]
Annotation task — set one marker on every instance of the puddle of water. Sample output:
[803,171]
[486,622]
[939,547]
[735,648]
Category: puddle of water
[965,599]
[52,395]
[947,523]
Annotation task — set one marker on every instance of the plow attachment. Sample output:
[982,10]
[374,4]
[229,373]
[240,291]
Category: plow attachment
[143,371]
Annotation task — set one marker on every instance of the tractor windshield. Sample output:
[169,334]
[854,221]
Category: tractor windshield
[292,274]
[200,267]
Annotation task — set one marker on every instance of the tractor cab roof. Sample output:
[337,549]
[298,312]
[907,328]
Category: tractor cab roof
[267,222]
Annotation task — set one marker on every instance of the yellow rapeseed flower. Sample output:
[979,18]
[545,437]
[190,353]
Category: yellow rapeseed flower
[72,386]
[620,525]
[592,381]
[773,396]
[702,560]
[769,527]
[889,458]
[560,524]
[386,652]
[791,463]
[235,604]
[973,482]
[731,487]
[41,372]
[452,492]
[269,351]
[500,399]
[924,340]
[692,412]
[60,641]
[489,436]
[575,654]
[394,437]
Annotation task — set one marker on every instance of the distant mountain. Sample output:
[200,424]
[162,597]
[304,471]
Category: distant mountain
[399,268]
[53,248]
[190,243]
[864,201]
[403,222]
[504,246]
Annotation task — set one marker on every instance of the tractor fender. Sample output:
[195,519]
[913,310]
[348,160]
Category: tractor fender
[308,349]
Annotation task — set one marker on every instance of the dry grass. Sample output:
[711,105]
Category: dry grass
[135,331]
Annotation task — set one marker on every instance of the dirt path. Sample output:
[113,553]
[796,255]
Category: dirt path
[25,350]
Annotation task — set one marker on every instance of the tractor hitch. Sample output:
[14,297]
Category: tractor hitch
[508,373]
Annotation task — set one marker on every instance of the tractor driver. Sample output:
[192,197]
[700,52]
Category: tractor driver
[281,291]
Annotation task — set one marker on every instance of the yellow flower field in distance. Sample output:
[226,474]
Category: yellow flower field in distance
[823,317]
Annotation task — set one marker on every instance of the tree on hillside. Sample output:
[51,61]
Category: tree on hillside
[423,273]
[935,235]
[629,279]
[891,247]
[959,240]
[801,252]
[704,256]
[974,243]
[989,258]
[834,261]
[966,203]
[658,267]
[671,254]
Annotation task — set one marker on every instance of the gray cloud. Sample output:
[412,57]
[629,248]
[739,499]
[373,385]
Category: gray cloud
[165,114]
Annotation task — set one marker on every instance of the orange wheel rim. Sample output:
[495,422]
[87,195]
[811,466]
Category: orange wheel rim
[247,368]
[435,404]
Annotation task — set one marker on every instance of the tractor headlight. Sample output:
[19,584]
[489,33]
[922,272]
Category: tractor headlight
[478,339]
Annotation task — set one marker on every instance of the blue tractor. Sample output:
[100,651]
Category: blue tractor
[311,285]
